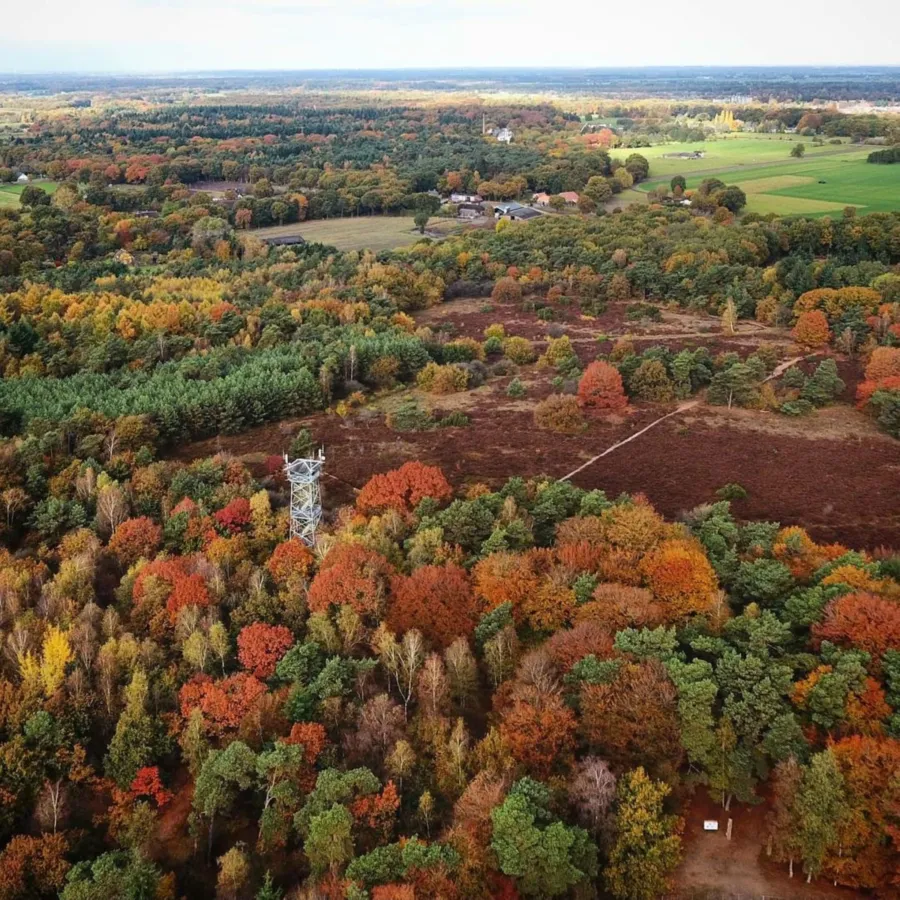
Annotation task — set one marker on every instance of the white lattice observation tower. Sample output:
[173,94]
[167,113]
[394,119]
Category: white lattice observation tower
[306,498]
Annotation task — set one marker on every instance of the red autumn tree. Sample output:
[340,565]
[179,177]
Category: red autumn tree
[187,591]
[378,811]
[861,620]
[312,737]
[403,489]
[569,645]
[135,538]
[539,730]
[224,703]
[351,575]
[290,559]
[438,600]
[601,387]
[234,517]
[261,646]
[865,389]
[812,329]
[393,891]
[148,784]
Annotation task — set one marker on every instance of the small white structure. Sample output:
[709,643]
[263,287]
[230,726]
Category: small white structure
[22,179]
[465,198]
[306,498]
[710,825]
[505,136]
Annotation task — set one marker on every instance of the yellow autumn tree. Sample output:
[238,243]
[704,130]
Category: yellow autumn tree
[47,673]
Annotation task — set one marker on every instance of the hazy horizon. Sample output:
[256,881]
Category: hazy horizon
[165,36]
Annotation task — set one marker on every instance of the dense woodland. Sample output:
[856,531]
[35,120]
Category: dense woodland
[504,690]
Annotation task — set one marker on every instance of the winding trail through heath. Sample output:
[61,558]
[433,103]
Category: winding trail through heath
[681,408]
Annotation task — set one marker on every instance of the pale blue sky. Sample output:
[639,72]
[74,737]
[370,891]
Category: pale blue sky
[172,35]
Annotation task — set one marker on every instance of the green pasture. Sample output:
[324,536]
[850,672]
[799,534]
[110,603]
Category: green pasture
[728,152]
[357,233]
[9,193]
[815,185]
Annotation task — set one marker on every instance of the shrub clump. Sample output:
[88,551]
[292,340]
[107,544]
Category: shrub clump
[519,350]
[506,290]
[516,389]
[448,379]
[409,416]
[559,413]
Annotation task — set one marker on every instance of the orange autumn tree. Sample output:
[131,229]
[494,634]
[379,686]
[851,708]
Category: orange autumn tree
[680,576]
[539,730]
[882,373]
[135,538]
[290,560]
[601,387]
[438,600]
[505,578]
[868,852]
[403,489]
[861,620]
[812,329]
[351,575]
[183,588]
[224,703]
[261,646]
[883,363]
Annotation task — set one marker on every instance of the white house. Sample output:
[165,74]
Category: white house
[22,179]
[504,135]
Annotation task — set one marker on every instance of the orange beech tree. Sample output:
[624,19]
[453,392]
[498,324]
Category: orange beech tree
[438,600]
[601,387]
[261,646]
[812,329]
[289,560]
[680,576]
[539,730]
[862,620]
[135,538]
[403,489]
[351,575]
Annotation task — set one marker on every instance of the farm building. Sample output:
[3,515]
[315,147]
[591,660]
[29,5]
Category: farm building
[504,209]
[469,210]
[543,199]
[286,240]
[22,179]
[465,198]
[523,214]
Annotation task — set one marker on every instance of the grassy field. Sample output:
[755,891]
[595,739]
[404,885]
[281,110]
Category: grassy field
[9,193]
[361,233]
[821,183]
[727,152]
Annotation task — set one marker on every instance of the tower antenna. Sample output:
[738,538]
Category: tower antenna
[306,498]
